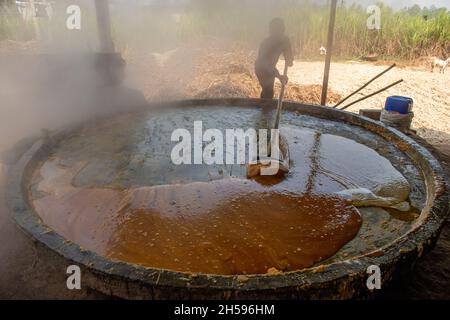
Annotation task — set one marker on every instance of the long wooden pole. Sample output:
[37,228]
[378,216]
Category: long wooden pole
[37,28]
[372,94]
[326,75]
[280,99]
[364,86]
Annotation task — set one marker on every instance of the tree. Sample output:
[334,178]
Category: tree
[6,2]
[415,10]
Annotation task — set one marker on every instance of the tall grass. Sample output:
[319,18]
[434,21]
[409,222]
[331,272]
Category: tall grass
[404,34]
[12,26]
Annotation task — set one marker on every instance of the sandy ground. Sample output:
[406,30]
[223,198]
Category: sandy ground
[430,91]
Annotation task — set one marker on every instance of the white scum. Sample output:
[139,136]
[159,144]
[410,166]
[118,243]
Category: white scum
[237,140]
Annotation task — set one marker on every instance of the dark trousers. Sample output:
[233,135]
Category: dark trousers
[267,83]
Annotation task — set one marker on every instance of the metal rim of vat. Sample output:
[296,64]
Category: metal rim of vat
[344,279]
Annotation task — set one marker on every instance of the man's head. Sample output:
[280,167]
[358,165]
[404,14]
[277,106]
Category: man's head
[277,27]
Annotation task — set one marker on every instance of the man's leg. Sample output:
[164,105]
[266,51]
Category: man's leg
[267,83]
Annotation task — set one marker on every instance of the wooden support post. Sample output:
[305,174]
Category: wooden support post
[326,75]
[37,28]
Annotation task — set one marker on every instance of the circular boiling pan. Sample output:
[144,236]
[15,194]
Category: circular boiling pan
[385,239]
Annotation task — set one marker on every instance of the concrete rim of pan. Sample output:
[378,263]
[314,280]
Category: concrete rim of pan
[344,279]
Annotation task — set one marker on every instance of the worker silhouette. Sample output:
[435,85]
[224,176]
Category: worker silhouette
[269,53]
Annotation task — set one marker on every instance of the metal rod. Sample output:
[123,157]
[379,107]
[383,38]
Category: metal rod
[364,86]
[372,94]
[326,75]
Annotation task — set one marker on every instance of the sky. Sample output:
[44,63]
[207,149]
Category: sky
[398,4]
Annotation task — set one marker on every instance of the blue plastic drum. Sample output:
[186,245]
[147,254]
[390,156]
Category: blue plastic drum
[402,105]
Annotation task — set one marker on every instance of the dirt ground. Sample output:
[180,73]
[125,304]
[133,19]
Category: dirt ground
[430,91]
[26,274]
[227,71]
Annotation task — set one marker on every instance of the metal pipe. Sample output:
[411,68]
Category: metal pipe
[372,94]
[104,26]
[326,75]
[364,86]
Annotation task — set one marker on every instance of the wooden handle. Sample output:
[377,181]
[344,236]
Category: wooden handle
[280,99]
[286,67]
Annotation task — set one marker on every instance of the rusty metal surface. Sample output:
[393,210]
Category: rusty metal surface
[343,279]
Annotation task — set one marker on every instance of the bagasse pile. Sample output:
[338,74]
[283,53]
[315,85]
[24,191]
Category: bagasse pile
[219,71]
[231,75]
[10,47]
